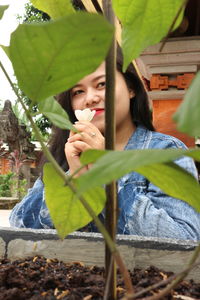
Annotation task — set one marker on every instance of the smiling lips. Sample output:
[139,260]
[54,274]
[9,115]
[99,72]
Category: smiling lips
[98,111]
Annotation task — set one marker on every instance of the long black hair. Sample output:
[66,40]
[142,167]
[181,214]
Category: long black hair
[139,107]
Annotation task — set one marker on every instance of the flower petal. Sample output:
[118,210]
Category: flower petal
[92,115]
[78,114]
[84,115]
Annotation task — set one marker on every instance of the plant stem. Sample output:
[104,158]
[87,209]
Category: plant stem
[179,278]
[37,133]
[111,203]
[106,291]
[158,284]
[111,245]
[67,179]
[172,25]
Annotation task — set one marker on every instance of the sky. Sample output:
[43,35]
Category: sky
[8,24]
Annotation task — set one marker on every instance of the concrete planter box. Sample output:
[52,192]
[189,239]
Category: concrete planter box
[168,254]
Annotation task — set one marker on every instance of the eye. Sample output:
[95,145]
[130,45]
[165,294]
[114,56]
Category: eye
[101,84]
[76,93]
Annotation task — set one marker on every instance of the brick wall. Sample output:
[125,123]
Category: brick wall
[4,166]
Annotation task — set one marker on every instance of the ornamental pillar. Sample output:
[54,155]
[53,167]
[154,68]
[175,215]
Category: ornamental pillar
[168,74]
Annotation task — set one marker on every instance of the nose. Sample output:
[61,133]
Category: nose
[92,97]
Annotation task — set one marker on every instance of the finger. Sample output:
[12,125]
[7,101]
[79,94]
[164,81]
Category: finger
[85,126]
[71,151]
[83,136]
[81,146]
[73,157]
[71,133]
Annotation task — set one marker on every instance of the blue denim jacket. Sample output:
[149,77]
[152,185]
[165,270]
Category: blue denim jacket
[144,209]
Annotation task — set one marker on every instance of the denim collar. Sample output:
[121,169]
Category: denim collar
[139,139]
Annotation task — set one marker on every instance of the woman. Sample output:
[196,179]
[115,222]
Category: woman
[144,209]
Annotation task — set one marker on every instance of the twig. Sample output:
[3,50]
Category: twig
[106,291]
[109,242]
[179,278]
[110,128]
[149,288]
[47,153]
[66,178]
[158,284]
[172,25]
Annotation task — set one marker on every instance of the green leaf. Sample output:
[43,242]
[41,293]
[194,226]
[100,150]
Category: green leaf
[90,156]
[6,49]
[54,8]
[188,114]
[2,9]
[174,181]
[66,210]
[55,113]
[113,165]
[144,23]
[51,57]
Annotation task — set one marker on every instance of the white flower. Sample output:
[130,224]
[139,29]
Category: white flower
[85,114]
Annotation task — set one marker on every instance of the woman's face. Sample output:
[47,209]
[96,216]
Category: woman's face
[89,92]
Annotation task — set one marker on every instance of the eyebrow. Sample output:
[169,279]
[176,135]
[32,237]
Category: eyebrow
[93,80]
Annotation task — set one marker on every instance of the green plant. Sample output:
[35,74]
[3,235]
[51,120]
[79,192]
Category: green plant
[18,187]
[5,185]
[32,14]
[42,122]
[92,36]
[8,182]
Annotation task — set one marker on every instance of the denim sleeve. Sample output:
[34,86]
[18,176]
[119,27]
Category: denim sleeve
[156,214]
[32,211]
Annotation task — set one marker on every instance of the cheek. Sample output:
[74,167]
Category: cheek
[76,103]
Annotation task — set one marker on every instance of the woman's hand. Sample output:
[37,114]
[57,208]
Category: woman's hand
[89,137]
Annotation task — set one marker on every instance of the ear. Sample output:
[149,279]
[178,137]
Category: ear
[131,93]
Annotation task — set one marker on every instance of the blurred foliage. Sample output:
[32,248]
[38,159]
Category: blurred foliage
[5,185]
[8,182]
[32,14]
[42,122]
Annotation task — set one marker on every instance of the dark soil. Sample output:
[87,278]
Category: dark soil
[40,278]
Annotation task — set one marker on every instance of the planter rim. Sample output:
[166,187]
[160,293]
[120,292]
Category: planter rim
[10,233]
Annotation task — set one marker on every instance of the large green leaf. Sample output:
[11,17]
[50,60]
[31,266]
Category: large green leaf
[2,9]
[66,210]
[6,49]
[54,8]
[124,161]
[188,114]
[113,165]
[91,156]
[55,113]
[144,23]
[174,181]
[51,57]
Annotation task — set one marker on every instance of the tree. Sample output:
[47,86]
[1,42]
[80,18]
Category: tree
[33,14]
